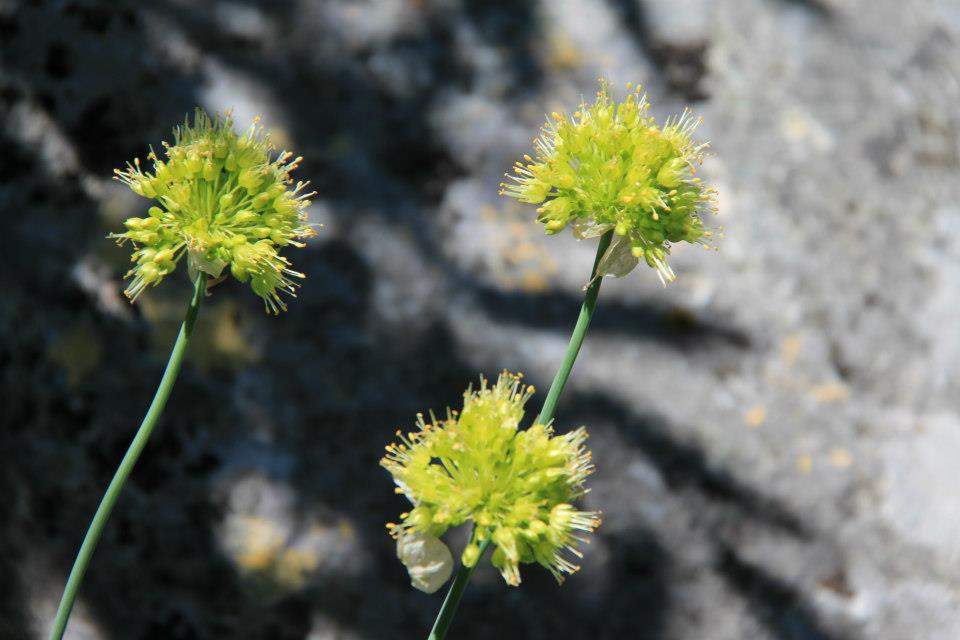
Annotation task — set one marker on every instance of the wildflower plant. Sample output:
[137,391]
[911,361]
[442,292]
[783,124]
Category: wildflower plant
[516,486]
[609,171]
[222,200]
[610,167]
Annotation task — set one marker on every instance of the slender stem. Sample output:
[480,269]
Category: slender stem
[126,465]
[452,601]
[576,338]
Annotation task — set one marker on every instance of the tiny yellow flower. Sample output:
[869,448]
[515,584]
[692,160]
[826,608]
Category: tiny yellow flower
[611,167]
[221,201]
[515,486]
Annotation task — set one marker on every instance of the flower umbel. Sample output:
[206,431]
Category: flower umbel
[222,201]
[611,166]
[517,487]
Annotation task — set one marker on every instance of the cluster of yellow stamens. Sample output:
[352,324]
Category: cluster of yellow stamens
[611,167]
[221,201]
[516,486]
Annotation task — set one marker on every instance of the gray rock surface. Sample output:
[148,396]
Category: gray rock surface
[775,433]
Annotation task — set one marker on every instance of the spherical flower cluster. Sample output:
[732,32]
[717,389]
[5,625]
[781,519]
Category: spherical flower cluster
[221,201]
[516,486]
[611,167]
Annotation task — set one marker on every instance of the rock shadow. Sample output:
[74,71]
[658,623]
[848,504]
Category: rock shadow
[779,606]
[682,465]
[674,327]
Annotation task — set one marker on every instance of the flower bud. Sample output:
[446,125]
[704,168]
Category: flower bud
[244,217]
[164,255]
[276,190]
[194,164]
[471,553]
[250,179]
[671,173]
[149,272]
[285,206]
[208,170]
[555,226]
[261,200]
[239,272]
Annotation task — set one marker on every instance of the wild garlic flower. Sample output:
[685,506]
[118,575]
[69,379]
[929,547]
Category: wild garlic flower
[611,167]
[220,200]
[516,486]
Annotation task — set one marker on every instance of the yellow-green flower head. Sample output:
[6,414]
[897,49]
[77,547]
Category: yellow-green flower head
[220,200]
[610,166]
[516,486]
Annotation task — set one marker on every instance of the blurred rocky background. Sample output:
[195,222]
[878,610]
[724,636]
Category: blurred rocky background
[776,434]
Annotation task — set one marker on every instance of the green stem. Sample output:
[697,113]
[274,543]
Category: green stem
[126,465]
[452,601]
[576,338]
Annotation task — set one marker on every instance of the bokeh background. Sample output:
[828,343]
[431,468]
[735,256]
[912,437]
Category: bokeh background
[776,434]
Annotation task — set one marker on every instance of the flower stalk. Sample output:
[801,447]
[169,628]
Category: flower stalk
[109,499]
[452,601]
[579,333]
